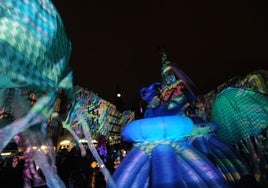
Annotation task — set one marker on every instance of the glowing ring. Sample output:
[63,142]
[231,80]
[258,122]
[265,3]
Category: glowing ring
[168,128]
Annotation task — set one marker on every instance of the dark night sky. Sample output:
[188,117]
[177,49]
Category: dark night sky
[117,42]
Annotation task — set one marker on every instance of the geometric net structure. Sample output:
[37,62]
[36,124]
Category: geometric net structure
[240,113]
[34,48]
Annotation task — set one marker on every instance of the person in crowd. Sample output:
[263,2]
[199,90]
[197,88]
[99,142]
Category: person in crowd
[31,177]
[75,169]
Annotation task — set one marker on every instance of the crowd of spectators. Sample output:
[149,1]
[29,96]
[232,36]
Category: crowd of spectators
[75,170]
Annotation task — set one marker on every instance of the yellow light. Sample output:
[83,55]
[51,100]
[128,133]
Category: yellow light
[6,153]
[43,147]
[94,164]
[35,147]
[65,142]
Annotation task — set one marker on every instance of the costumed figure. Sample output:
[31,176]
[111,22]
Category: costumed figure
[34,55]
[173,149]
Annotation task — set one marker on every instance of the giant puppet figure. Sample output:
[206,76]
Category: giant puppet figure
[242,115]
[173,149]
[34,54]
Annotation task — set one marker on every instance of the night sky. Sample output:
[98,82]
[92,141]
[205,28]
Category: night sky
[117,42]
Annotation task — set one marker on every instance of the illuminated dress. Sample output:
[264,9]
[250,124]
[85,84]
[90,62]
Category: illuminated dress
[171,148]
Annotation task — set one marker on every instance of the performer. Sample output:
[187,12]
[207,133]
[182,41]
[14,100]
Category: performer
[31,177]
[174,96]
[170,147]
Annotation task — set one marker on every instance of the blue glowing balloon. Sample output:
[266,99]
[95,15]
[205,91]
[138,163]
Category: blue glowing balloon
[169,128]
